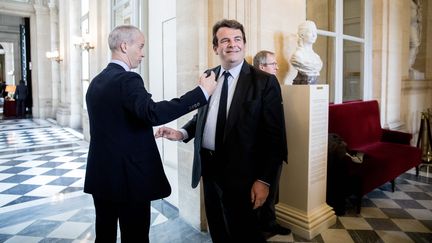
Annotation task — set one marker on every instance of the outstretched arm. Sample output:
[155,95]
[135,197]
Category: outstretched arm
[169,133]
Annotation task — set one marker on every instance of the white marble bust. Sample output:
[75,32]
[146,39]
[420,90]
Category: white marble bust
[304,59]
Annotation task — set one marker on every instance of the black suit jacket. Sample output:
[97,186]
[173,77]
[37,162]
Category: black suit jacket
[254,140]
[123,160]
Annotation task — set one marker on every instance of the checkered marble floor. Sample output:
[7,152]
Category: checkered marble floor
[42,167]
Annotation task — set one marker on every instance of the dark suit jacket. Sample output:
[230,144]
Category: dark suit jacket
[254,139]
[21,92]
[123,160]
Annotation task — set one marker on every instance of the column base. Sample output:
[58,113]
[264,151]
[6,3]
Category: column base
[304,225]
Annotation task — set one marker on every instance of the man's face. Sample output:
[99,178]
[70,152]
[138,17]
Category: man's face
[230,47]
[271,65]
[135,51]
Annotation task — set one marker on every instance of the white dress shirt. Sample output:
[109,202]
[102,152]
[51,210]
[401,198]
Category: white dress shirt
[209,135]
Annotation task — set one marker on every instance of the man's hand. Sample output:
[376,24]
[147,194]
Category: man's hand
[169,133]
[259,193]
[208,83]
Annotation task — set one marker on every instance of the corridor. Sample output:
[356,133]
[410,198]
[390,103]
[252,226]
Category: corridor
[42,168]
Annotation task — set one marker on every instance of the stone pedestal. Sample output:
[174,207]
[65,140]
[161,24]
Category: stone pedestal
[302,203]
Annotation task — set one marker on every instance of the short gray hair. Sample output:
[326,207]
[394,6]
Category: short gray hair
[122,33]
[261,58]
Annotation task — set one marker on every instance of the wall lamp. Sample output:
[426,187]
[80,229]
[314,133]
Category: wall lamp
[54,56]
[86,46]
[84,43]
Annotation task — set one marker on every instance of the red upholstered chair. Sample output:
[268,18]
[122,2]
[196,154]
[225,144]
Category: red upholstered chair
[387,154]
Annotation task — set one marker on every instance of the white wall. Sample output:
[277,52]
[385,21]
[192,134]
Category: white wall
[163,77]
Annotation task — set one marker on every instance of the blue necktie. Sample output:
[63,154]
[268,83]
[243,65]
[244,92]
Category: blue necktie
[221,117]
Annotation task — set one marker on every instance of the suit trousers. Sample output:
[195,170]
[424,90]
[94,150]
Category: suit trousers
[229,209]
[133,217]
[20,108]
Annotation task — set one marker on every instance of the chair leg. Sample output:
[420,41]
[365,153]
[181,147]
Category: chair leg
[393,185]
[417,170]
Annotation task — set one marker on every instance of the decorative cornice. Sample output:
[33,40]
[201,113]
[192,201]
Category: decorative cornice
[414,85]
[22,9]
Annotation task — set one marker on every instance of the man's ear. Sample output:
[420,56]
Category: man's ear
[123,47]
[215,49]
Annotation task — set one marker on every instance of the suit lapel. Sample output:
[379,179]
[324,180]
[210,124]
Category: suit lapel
[243,83]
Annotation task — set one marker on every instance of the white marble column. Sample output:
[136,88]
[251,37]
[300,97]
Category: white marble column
[69,110]
[55,66]
[40,64]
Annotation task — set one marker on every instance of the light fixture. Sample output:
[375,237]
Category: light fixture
[84,43]
[54,56]
[86,46]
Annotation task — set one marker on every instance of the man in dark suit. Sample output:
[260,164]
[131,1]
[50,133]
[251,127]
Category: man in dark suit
[266,61]
[124,169]
[21,96]
[239,140]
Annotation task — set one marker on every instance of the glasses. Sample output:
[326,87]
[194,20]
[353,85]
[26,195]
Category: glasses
[270,64]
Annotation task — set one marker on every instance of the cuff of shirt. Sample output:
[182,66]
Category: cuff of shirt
[184,132]
[264,183]
[204,92]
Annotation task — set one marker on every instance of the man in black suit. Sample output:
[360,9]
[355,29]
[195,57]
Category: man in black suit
[266,61]
[238,145]
[20,96]
[124,169]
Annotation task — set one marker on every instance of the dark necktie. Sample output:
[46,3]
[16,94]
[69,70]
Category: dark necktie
[221,117]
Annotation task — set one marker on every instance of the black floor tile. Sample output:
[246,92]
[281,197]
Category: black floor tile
[409,204]
[396,213]
[40,228]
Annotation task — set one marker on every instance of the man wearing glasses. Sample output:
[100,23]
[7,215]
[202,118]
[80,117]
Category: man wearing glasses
[266,61]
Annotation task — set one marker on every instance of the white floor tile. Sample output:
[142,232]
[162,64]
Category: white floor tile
[63,216]
[397,195]
[421,214]
[64,158]
[75,173]
[45,191]
[355,223]
[336,235]
[58,153]
[411,225]
[385,203]
[70,230]
[426,203]
[367,212]
[40,180]
[23,239]
[13,229]
[35,170]
[282,238]
[69,165]
[6,198]
[5,186]
[394,236]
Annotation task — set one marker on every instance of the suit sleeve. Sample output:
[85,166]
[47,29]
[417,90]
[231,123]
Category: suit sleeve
[190,128]
[138,101]
[273,138]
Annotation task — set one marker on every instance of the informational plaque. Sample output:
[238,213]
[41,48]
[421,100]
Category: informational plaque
[302,192]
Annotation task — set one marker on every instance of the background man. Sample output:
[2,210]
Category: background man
[266,61]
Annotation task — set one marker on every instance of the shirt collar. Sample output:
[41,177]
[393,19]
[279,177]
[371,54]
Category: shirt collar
[121,63]
[235,71]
